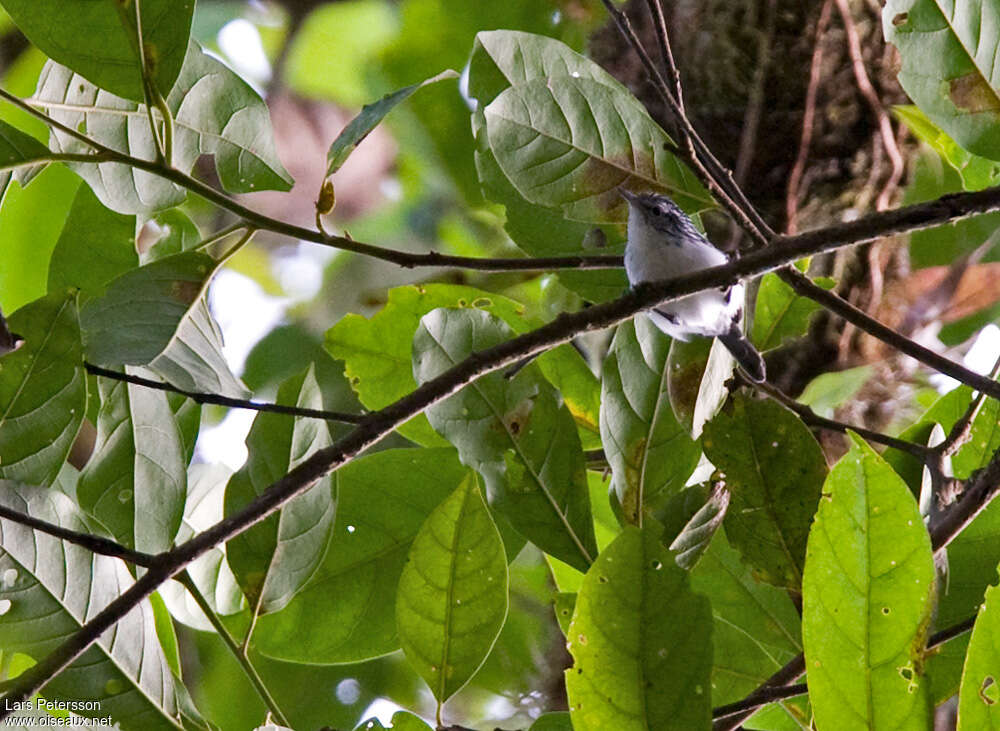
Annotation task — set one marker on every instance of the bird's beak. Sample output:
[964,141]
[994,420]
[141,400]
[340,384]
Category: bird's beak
[627,195]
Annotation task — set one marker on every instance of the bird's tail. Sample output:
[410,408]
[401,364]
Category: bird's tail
[746,355]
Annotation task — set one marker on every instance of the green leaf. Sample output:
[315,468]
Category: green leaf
[949,66]
[755,628]
[96,245]
[215,113]
[979,696]
[17,151]
[50,588]
[977,172]
[829,390]
[452,597]
[649,452]
[696,536]
[866,599]
[275,558]
[568,143]
[641,642]
[135,482]
[369,118]
[210,571]
[346,613]
[173,232]
[193,359]
[138,315]
[780,314]
[376,351]
[566,369]
[31,220]
[99,42]
[774,469]
[43,391]
[697,372]
[514,432]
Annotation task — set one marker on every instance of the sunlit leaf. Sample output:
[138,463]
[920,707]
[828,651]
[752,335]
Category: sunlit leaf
[641,642]
[979,697]
[43,391]
[514,432]
[866,592]
[215,113]
[452,598]
[977,172]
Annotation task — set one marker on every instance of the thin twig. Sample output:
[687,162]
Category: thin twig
[211,398]
[808,120]
[813,419]
[666,52]
[95,544]
[244,662]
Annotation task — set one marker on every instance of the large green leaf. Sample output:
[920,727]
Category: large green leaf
[376,350]
[649,452]
[17,151]
[135,482]
[568,142]
[452,597]
[697,372]
[43,391]
[346,612]
[977,172]
[949,56]
[641,642]
[566,369]
[275,558]
[99,40]
[50,588]
[215,113]
[866,600]
[514,432]
[755,628]
[138,315]
[96,245]
[774,469]
[979,697]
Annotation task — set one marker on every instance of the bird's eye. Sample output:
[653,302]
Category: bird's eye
[655,210]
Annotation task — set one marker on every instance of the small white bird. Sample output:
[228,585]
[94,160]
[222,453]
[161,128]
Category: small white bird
[664,243]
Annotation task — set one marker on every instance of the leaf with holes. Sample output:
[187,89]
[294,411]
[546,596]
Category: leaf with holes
[275,558]
[515,432]
[452,597]
[49,588]
[215,113]
[641,642]
[135,482]
[100,42]
[774,469]
[979,697]
[345,612]
[651,455]
[950,54]
[568,143]
[43,391]
[866,599]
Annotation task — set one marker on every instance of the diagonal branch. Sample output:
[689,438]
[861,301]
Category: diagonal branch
[211,398]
